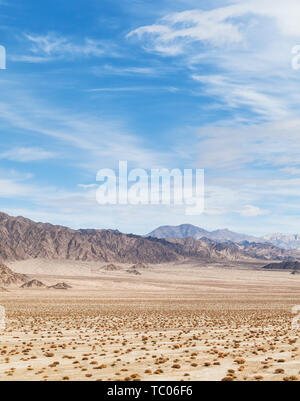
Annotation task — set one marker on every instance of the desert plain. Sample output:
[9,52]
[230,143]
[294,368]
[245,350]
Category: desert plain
[179,321]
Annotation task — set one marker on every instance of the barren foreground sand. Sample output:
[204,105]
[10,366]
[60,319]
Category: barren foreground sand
[173,322]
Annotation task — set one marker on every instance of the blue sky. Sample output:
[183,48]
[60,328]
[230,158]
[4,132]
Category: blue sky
[176,84]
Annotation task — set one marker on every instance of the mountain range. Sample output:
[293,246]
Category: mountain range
[189,230]
[284,241]
[22,239]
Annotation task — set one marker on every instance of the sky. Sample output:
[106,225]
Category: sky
[168,83]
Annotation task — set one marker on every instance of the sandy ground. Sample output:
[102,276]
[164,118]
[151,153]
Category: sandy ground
[173,322]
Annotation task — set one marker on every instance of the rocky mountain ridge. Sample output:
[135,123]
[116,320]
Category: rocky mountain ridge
[189,230]
[284,241]
[291,241]
[22,239]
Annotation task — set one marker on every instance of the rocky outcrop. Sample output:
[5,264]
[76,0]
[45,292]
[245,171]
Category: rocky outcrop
[289,265]
[111,268]
[140,266]
[60,286]
[9,277]
[33,284]
[133,271]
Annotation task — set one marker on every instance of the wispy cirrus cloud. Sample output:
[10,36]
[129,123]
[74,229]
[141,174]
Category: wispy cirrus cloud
[261,99]
[27,154]
[26,188]
[53,46]
[109,69]
[30,59]
[244,48]
[96,141]
[175,31]
[229,24]
[170,89]
[253,211]
[153,70]
[272,145]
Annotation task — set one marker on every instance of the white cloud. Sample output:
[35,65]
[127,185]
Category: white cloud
[245,49]
[109,69]
[291,170]
[252,211]
[272,145]
[30,59]
[235,95]
[96,142]
[52,46]
[179,29]
[11,189]
[27,154]
[135,89]
[219,26]
[25,187]
[87,186]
